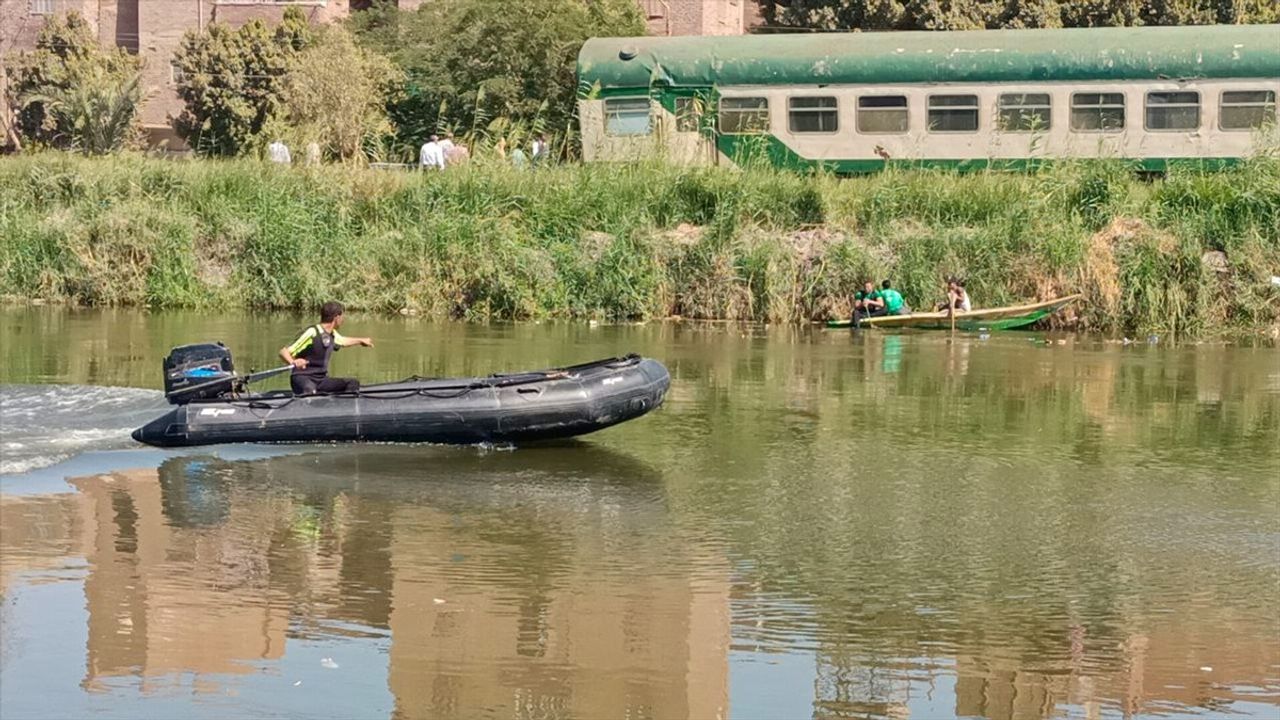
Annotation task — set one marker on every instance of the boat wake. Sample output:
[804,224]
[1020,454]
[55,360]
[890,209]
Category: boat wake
[46,424]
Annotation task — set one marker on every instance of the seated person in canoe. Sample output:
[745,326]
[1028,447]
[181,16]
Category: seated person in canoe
[894,304]
[867,302]
[309,355]
[957,297]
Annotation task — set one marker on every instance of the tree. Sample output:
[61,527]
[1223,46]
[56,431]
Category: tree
[73,93]
[95,115]
[231,80]
[9,141]
[466,64]
[336,93]
[974,14]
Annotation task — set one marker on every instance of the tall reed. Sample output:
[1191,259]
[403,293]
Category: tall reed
[1188,254]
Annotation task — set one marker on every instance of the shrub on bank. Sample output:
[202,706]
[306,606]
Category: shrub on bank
[641,241]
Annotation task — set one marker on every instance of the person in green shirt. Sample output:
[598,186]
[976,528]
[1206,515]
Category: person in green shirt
[894,304]
[867,302]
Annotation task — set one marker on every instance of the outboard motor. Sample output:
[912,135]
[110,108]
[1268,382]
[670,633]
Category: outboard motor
[197,372]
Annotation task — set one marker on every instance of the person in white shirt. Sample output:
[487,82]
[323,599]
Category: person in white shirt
[541,148]
[278,152]
[432,155]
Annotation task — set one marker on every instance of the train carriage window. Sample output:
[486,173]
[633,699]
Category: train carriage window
[688,114]
[626,116]
[1246,109]
[953,113]
[882,114]
[1024,112]
[1173,111]
[739,115]
[812,115]
[1097,112]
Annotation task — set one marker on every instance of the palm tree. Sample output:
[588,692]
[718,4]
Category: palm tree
[95,115]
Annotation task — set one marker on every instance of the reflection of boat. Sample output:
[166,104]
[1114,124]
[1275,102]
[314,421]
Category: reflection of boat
[1000,318]
[571,475]
[499,408]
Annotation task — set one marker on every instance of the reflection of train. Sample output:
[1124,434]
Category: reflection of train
[854,101]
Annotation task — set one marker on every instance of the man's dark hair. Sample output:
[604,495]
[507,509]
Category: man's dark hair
[886,284]
[329,311]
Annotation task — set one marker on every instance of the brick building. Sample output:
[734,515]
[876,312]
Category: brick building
[700,17]
[153,29]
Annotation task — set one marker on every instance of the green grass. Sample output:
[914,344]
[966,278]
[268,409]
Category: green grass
[640,241]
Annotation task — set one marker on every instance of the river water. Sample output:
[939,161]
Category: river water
[816,525]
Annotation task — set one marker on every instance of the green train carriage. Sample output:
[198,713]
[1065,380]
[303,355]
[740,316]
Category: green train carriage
[854,102]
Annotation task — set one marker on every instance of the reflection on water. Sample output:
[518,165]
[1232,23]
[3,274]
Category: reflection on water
[505,582]
[816,525]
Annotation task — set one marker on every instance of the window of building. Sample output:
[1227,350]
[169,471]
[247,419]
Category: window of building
[1097,112]
[175,73]
[882,114]
[1173,110]
[1024,112]
[626,116]
[812,115]
[41,7]
[953,113]
[688,114]
[1246,109]
[744,115]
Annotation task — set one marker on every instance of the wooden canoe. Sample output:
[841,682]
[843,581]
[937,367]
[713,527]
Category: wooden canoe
[1001,318]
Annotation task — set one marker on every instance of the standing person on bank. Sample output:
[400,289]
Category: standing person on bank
[278,152]
[432,155]
[541,149]
[309,355]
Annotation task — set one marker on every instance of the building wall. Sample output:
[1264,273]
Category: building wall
[700,17]
[19,26]
[162,23]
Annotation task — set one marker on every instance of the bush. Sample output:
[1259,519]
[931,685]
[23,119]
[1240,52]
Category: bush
[335,93]
[73,93]
[232,81]
[467,64]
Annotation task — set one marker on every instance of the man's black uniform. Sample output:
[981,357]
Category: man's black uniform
[316,346]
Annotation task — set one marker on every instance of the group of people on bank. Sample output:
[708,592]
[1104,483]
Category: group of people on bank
[439,153]
[871,301]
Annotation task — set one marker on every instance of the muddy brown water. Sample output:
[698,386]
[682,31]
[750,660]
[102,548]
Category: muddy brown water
[816,525]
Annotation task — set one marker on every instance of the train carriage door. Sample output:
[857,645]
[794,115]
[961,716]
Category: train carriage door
[686,121]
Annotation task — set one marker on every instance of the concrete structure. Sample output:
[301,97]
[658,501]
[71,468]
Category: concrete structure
[154,28]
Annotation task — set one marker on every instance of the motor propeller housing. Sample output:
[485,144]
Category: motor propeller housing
[196,372]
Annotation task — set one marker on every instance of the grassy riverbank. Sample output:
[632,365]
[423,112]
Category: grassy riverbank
[1187,255]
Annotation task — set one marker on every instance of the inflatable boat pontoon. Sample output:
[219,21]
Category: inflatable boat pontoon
[212,406]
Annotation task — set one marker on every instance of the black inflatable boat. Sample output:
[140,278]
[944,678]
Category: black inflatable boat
[213,407]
